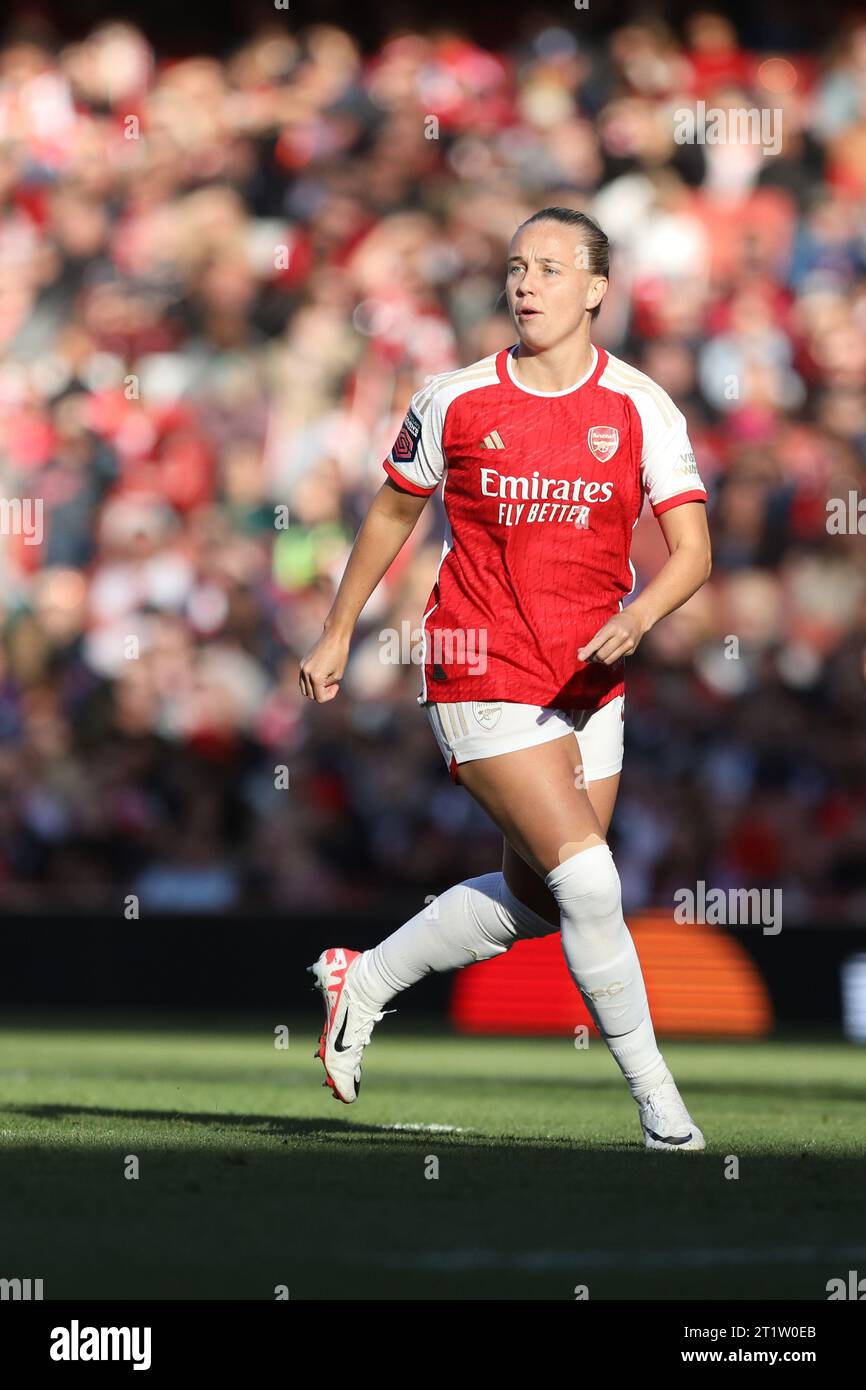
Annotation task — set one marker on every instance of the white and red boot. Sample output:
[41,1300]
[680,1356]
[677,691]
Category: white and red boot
[349,1022]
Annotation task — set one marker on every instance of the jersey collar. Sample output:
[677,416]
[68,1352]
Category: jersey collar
[505,372]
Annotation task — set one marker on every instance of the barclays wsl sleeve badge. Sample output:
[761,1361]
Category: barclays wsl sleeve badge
[406,443]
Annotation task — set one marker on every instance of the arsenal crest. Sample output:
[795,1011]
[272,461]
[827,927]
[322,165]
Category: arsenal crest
[487,712]
[603,442]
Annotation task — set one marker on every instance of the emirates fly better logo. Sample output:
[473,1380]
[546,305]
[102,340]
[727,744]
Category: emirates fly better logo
[546,499]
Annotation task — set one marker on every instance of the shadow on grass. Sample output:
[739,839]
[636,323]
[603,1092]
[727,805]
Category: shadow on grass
[296,1128]
[336,1209]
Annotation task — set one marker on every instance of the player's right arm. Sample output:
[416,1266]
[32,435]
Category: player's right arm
[387,526]
[414,467]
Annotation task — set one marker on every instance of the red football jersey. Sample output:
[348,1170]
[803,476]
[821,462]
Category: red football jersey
[542,492]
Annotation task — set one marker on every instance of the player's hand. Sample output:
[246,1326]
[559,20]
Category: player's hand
[618,638]
[322,671]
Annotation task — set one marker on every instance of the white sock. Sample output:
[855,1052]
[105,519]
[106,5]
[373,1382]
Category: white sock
[472,921]
[604,964]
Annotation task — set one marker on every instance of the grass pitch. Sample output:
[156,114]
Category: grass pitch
[251,1176]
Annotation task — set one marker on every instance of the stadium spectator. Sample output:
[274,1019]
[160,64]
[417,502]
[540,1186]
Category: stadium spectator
[220,281]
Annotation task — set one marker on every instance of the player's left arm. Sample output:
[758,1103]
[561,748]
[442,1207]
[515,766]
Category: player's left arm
[687,567]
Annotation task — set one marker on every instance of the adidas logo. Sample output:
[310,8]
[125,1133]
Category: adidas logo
[492,441]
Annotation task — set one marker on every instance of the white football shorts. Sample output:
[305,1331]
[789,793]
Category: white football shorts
[473,729]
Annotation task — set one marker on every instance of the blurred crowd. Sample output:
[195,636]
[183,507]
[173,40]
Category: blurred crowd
[221,278]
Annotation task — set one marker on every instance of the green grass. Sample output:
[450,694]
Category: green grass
[252,1176]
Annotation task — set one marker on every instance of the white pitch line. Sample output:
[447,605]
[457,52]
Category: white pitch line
[700,1257]
[429,1129]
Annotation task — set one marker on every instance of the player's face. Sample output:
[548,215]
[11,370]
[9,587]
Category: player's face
[548,284]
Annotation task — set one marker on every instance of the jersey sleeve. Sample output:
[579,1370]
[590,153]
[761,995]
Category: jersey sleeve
[668,468]
[416,462]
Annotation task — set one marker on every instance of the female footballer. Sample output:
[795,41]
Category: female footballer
[546,449]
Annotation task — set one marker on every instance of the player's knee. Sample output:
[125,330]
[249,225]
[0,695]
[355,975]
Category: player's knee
[484,884]
[587,889]
[527,922]
[498,916]
[482,906]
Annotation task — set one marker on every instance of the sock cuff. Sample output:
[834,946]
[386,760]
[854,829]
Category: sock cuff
[593,858]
